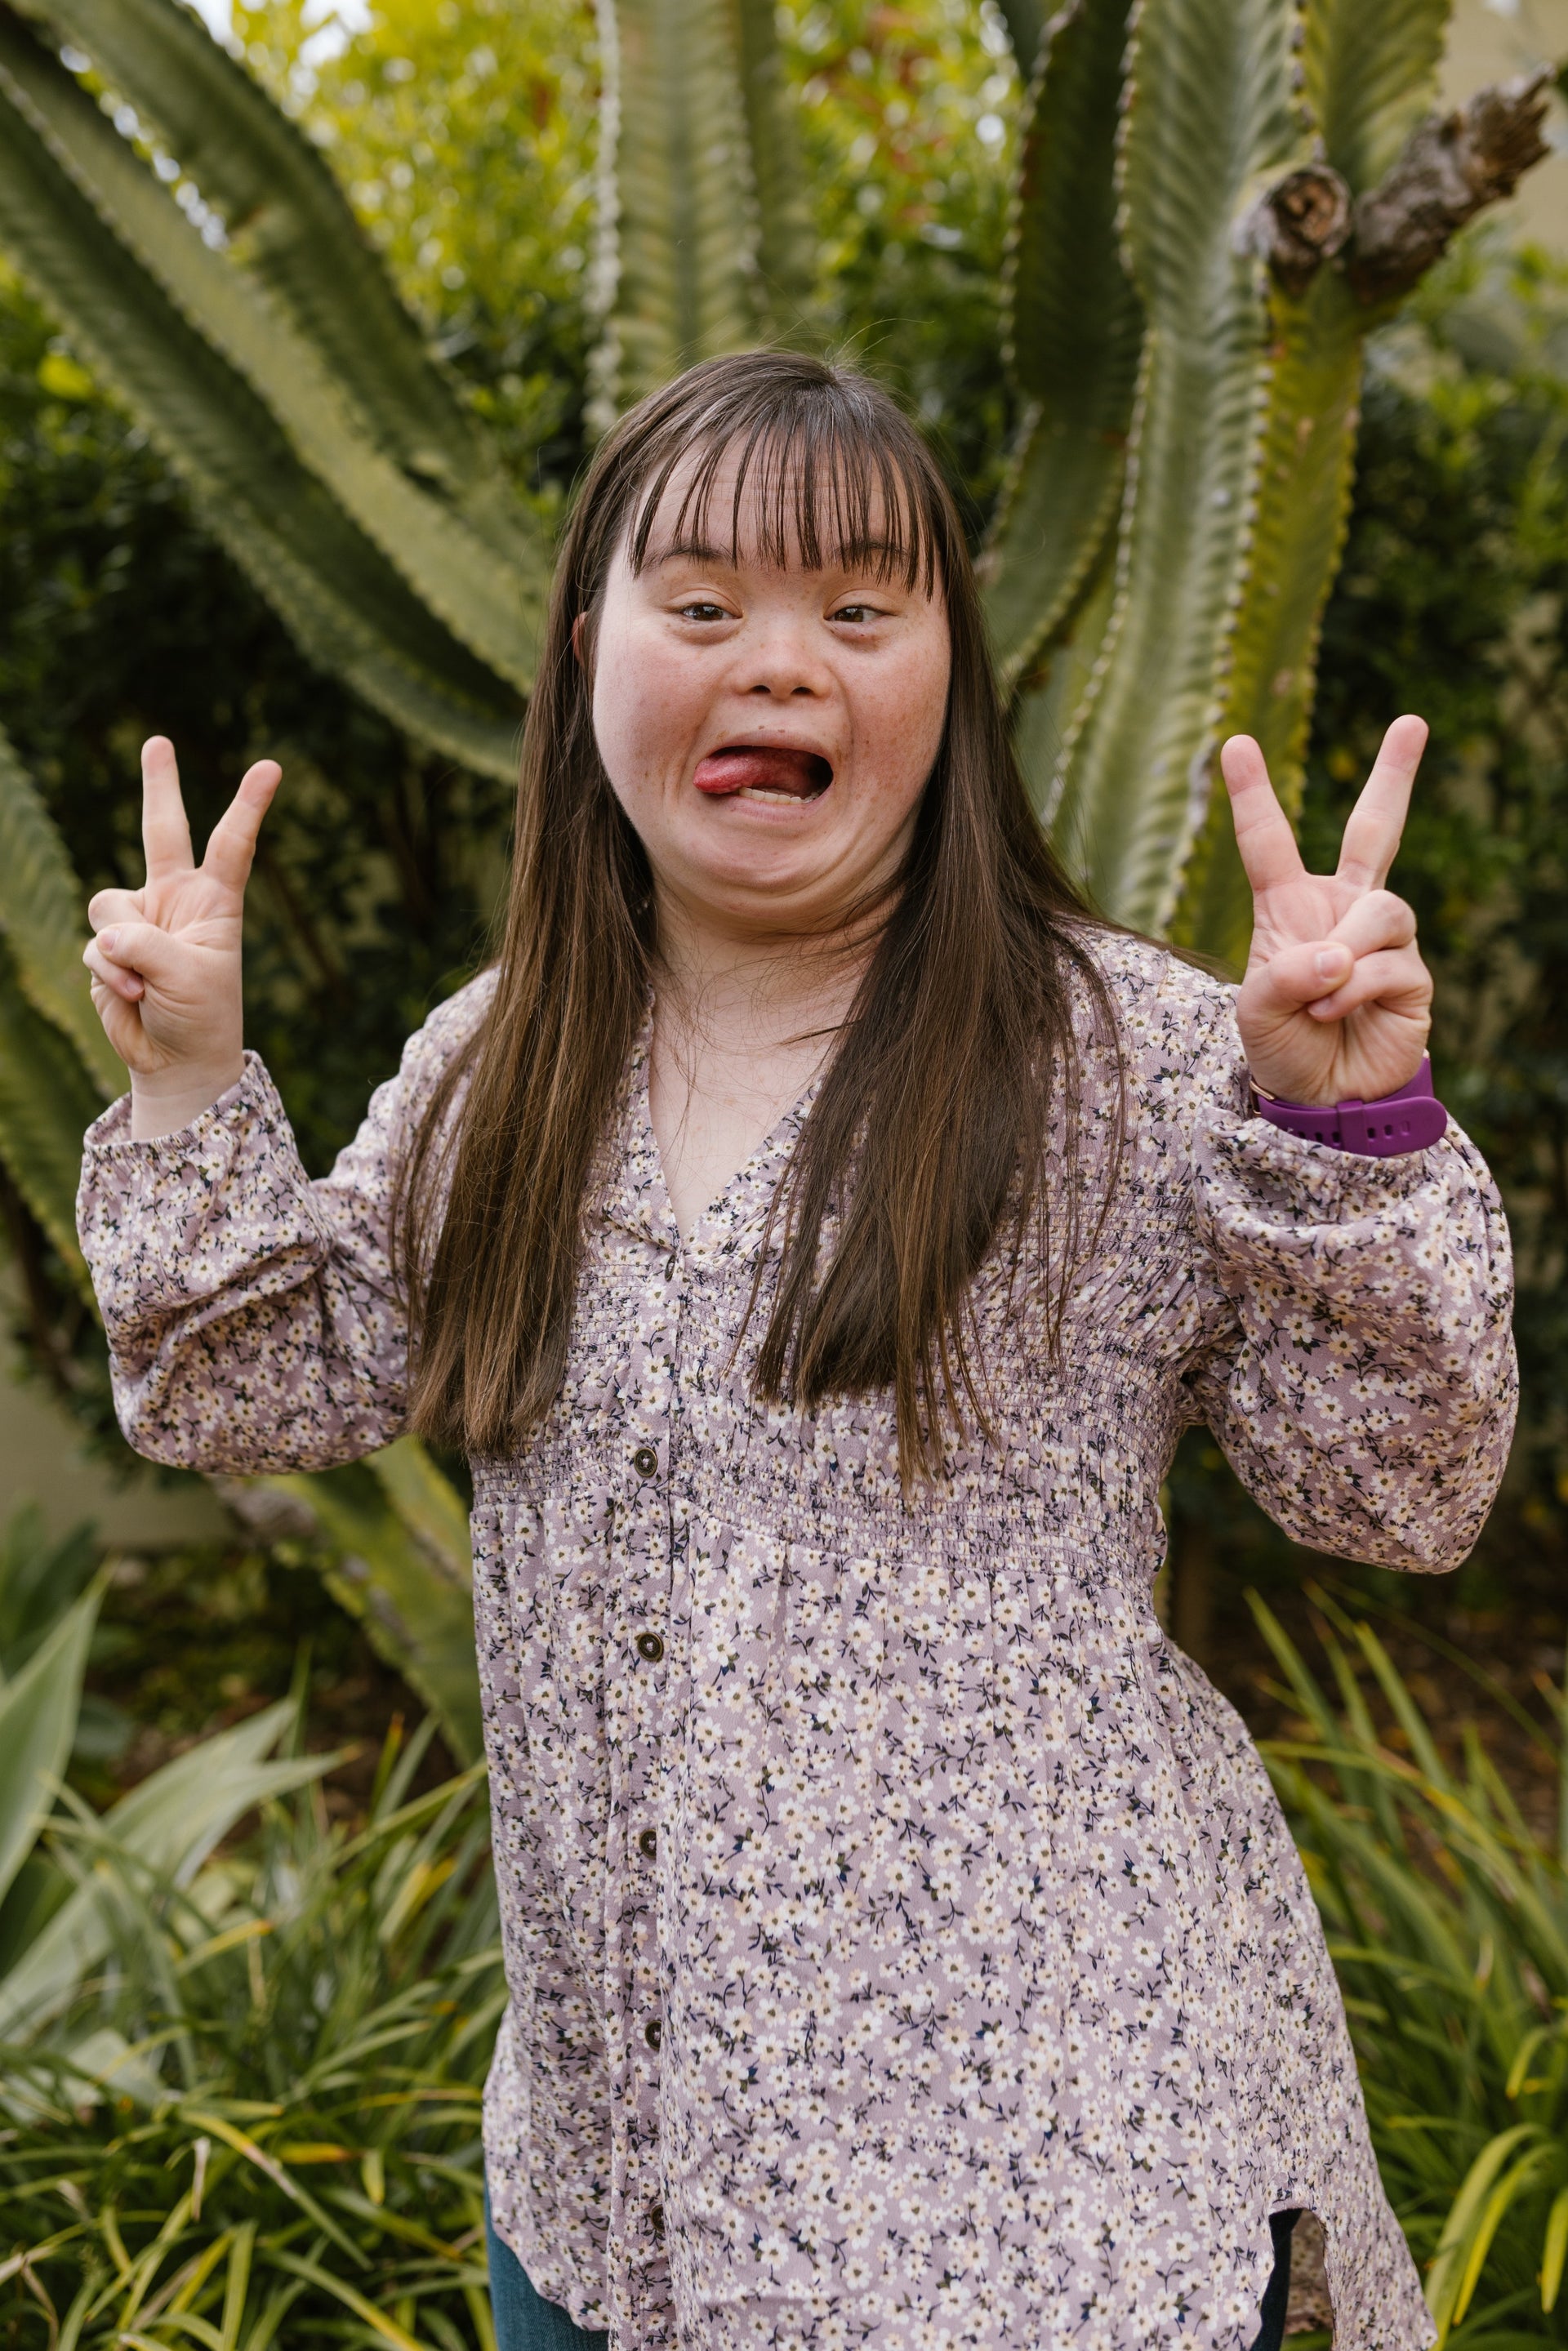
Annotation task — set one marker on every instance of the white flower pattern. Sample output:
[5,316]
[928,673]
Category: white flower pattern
[905,1948]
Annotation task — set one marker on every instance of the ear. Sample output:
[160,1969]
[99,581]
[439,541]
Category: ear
[579,629]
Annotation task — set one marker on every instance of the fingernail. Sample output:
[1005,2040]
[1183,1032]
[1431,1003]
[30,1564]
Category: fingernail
[1331,961]
[109,941]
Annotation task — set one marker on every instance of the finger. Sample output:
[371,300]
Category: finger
[111,978]
[1396,978]
[1377,921]
[1263,833]
[165,834]
[232,842]
[140,949]
[1372,837]
[114,906]
[1298,975]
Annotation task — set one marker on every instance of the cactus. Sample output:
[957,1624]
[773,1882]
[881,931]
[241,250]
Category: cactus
[1075,328]
[1157,567]
[1265,234]
[702,241]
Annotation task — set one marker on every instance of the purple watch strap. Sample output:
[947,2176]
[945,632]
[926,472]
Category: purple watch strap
[1407,1119]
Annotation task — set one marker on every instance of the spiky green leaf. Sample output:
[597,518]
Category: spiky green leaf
[677,201]
[290,223]
[419,1617]
[37,1723]
[1209,112]
[47,1101]
[483,596]
[1075,330]
[162,1831]
[346,604]
[42,920]
[429,1506]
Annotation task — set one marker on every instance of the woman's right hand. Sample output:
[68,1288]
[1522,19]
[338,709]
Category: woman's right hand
[165,960]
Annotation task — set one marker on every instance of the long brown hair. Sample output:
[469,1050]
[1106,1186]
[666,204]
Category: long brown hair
[933,1120]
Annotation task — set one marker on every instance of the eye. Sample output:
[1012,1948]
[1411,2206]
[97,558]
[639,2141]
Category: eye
[856,614]
[701,610]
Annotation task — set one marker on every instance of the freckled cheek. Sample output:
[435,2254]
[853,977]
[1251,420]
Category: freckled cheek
[899,734]
[646,714]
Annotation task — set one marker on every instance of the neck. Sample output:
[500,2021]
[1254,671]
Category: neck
[754,989]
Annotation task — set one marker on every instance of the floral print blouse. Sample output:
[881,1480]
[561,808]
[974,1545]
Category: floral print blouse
[905,1948]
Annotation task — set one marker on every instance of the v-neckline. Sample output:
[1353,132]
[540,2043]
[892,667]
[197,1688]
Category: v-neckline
[723,1207]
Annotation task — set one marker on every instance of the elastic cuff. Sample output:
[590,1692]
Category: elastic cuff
[111,1134]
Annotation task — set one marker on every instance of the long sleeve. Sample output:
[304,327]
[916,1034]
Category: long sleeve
[254,1321]
[1360,1370]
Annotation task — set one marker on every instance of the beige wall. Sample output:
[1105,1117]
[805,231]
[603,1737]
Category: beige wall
[1488,43]
[41,1461]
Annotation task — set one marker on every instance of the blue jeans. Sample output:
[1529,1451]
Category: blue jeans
[1270,2335]
[524,2320]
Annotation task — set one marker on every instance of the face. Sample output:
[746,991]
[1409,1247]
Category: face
[768,730]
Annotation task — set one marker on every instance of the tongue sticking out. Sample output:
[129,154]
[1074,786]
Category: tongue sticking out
[771,768]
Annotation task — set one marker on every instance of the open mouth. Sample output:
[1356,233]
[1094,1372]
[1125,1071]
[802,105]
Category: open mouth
[763,772]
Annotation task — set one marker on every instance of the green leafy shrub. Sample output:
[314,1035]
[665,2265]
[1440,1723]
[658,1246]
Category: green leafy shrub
[1447,1914]
[266,2129]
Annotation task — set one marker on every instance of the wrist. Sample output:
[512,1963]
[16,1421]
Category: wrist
[165,1103]
[1411,1118]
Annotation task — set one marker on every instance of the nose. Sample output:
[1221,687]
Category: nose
[781,662]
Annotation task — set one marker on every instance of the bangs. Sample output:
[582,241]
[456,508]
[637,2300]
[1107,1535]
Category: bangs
[816,484]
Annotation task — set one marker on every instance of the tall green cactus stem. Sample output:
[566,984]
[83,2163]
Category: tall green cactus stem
[350,607]
[291,228]
[490,604]
[785,243]
[1025,21]
[1074,327]
[1303,511]
[1209,116]
[1369,75]
[42,921]
[677,257]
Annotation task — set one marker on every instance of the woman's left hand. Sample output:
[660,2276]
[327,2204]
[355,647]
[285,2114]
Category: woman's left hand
[1337,1002]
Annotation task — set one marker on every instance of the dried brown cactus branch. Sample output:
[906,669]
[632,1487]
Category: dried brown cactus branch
[1452,167]
[1300,223]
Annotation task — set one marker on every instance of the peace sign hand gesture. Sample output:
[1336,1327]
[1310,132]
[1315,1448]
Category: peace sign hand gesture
[165,962]
[1337,1002]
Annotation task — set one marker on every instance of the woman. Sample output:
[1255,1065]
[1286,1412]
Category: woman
[818,1229]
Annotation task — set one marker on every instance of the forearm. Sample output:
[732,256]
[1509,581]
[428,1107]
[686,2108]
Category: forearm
[1367,1389]
[252,1316]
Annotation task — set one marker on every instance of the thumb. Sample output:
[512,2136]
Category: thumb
[1298,975]
[141,948]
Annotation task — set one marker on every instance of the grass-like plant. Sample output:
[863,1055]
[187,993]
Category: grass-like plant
[272,2135]
[1447,1920]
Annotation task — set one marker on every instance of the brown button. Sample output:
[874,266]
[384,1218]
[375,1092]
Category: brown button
[649,1645]
[644,1461]
[648,1842]
[652,2032]
[656,2221]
